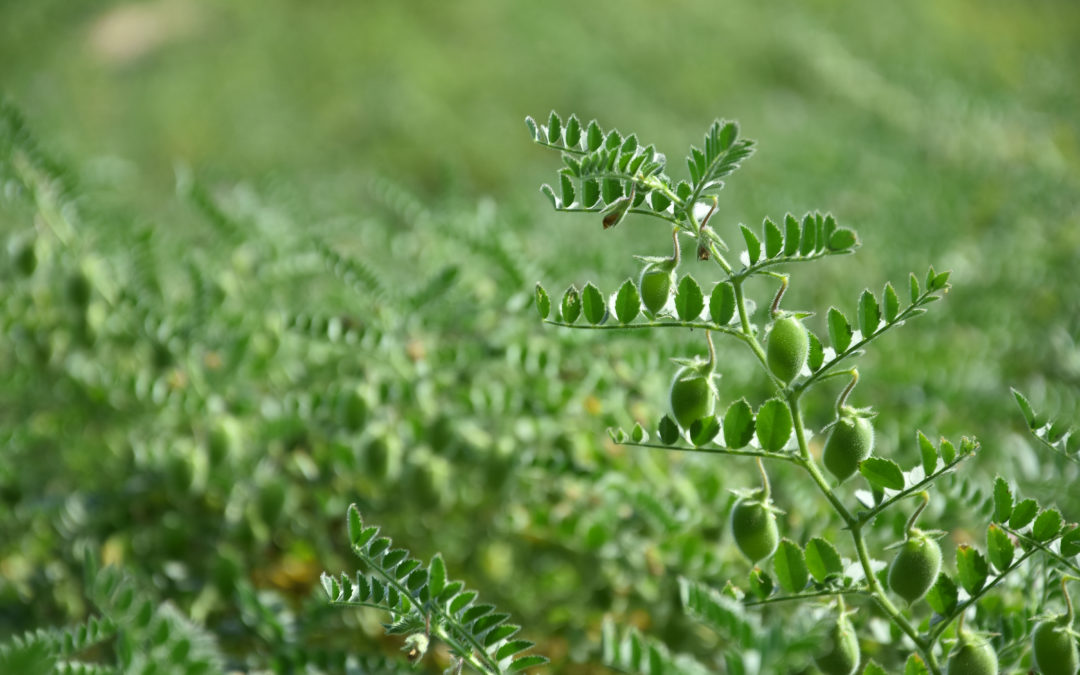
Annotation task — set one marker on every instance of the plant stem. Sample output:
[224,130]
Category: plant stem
[876,591]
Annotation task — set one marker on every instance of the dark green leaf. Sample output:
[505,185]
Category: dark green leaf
[571,304]
[822,559]
[971,568]
[791,235]
[594,137]
[817,352]
[869,314]
[809,235]
[722,303]
[627,302]
[667,430]
[592,304]
[526,662]
[914,283]
[356,527]
[554,129]
[873,668]
[790,566]
[939,281]
[761,584]
[1047,525]
[928,453]
[999,548]
[688,299]
[842,239]
[753,244]
[943,595]
[839,330]
[738,424]
[567,189]
[543,302]
[659,201]
[590,193]
[1003,500]
[1070,542]
[1023,513]
[704,430]
[573,132]
[774,239]
[774,425]
[882,472]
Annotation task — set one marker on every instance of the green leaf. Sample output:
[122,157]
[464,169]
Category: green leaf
[753,244]
[550,194]
[948,451]
[1023,513]
[554,129]
[590,193]
[774,239]
[1025,408]
[1047,525]
[571,304]
[667,430]
[971,568]
[722,303]
[527,662]
[842,239]
[1003,500]
[436,575]
[638,433]
[943,595]
[593,305]
[1070,542]
[999,547]
[791,235]
[761,584]
[543,302]
[567,189]
[822,559]
[869,314]
[738,424]
[790,566]
[883,473]
[928,453]
[892,303]
[809,235]
[627,302]
[704,430]
[534,131]
[774,425]
[915,666]
[817,353]
[356,527]
[914,284]
[573,132]
[873,668]
[594,136]
[688,299]
[939,281]
[839,330]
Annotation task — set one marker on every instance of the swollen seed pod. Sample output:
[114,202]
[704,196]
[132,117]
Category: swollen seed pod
[1053,647]
[915,568]
[692,395]
[654,286]
[843,655]
[850,441]
[787,348]
[972,655]
[753,525]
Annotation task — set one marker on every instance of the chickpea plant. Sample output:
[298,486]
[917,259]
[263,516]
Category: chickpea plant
[925,601]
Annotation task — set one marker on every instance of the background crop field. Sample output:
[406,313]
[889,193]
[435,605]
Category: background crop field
[317,225]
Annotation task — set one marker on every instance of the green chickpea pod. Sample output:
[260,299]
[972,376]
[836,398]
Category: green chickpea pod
[843,655]
[915,568]
[1053,642]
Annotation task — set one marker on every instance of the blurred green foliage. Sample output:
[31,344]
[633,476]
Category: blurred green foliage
[247,184]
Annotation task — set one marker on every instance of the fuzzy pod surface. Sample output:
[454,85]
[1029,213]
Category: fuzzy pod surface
[915,568]
[692,396]
[1054,647]
[850,441]
[972,656]
[787,348]
[843,656]
[753,526]
[654,286]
